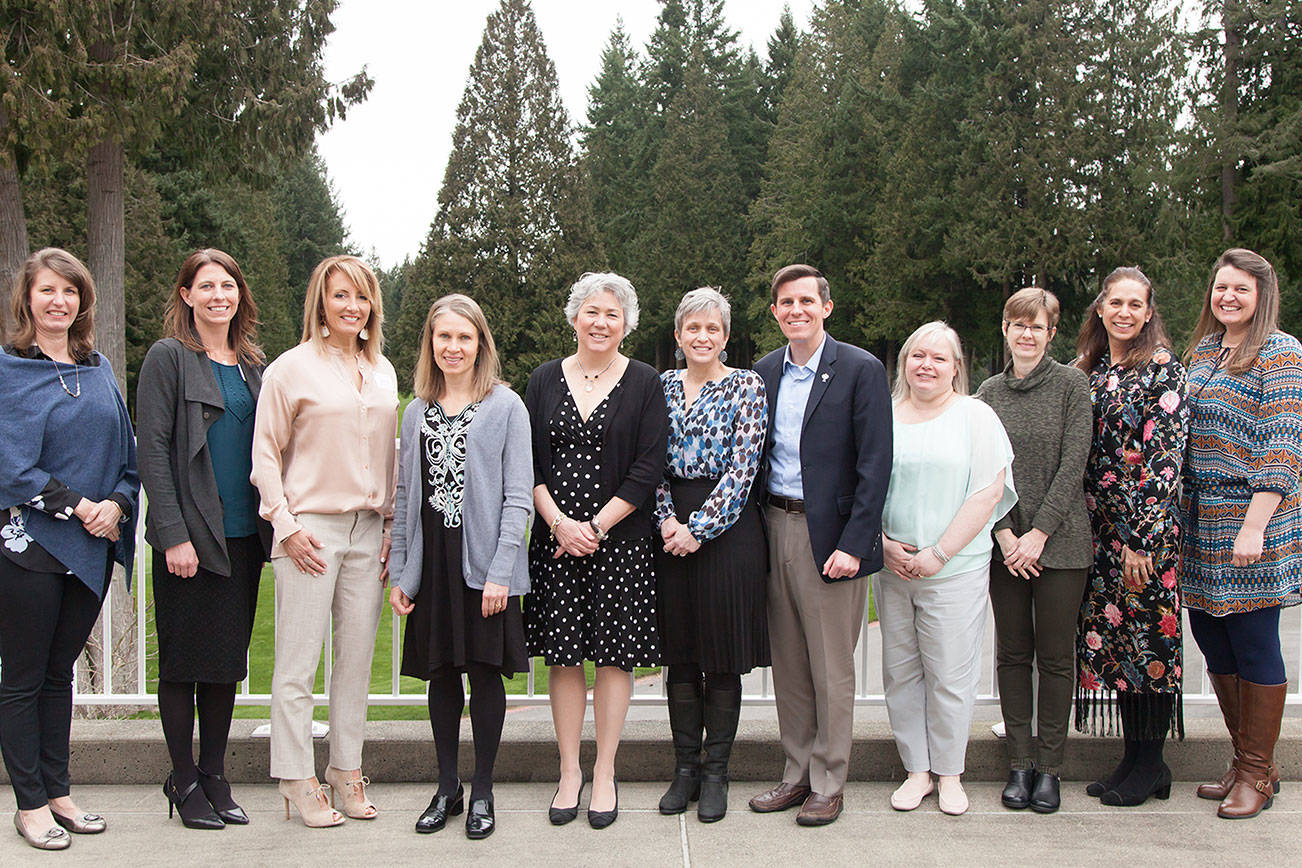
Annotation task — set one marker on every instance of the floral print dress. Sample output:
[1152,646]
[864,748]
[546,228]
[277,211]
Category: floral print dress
[1128,639]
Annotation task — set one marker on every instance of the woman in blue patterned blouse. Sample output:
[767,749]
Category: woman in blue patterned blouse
[1243,532]
[711,574]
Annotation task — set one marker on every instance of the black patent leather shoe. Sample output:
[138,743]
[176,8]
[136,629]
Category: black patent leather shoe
[440,808]
[1017,792]
[192,805]
[602,819]
[218,791]
[479,820]
[1045,795]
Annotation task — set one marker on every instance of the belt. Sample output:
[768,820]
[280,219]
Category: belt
[790,504]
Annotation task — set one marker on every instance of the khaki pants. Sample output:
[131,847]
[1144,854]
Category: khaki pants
[351,592]
[813,630]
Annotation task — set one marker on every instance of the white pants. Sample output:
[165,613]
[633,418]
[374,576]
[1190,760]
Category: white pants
[931,663]
[351,591]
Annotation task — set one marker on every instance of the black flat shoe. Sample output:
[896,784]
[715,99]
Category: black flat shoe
[218,791]
[1045,794]
[561,816]
[602,819]
[1017,792]
[192,805]
[440,808]
[479,820]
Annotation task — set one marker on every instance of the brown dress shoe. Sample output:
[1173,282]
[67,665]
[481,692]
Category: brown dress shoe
[780,798]
[819,810]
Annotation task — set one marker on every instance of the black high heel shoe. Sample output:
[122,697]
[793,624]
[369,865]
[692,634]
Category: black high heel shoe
[194,809]
[561,816]
[218,791]
[602,819]
[479,819]
[440,808]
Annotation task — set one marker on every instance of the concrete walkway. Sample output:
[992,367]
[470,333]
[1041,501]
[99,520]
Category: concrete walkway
[1182,830]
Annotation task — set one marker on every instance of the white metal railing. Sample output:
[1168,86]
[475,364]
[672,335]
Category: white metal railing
[757,687]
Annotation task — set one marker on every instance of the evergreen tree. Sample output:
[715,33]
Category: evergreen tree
[514,225]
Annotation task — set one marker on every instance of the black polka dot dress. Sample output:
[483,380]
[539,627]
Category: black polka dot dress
[601,607]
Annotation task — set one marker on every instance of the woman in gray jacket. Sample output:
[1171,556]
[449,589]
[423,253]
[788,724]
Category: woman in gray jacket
[194,410]
[1036,587]
[458,562]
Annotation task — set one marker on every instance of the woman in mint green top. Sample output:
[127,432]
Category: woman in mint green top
[951,479]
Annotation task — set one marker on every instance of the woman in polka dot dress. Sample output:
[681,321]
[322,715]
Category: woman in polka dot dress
[600,429]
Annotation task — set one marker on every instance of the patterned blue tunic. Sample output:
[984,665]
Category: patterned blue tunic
[1245,436]
[720,436]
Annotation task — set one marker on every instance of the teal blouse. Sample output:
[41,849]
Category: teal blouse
[230,444]
[939,464]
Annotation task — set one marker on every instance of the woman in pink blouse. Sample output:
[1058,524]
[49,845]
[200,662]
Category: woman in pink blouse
[323,461]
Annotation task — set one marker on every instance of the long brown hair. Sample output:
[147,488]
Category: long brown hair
[364,281]
[1265,319]
[430,383]
[22,328]
[178,319]
[1092,342]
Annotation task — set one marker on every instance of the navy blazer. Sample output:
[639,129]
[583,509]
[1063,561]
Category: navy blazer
[845,451]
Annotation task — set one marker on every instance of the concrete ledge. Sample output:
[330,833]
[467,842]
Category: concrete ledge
[133,752]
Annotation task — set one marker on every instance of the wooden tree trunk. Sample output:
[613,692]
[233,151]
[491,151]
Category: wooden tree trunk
[1230,116]
[13,227]
[107,246]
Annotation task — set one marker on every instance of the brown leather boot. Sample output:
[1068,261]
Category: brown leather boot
[1261,707]
[1227,696]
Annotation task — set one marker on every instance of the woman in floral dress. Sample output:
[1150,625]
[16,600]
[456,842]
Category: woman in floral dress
[1128,643]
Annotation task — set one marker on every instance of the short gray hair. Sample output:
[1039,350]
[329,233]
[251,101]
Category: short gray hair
[704,299]
[592,283]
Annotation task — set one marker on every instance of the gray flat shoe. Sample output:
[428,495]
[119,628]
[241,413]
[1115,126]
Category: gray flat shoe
[52,838]
[82,824]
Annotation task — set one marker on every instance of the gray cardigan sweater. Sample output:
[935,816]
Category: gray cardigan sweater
[177,401]
[1048,418]
[496,506]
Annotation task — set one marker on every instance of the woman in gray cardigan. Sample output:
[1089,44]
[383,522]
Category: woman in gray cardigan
[1036,588]
[194,410]
[458,563]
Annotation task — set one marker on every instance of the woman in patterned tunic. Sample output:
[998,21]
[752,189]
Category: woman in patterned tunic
[1243,531]
[712,573]
[1128,641]
[599,436]
[462,506]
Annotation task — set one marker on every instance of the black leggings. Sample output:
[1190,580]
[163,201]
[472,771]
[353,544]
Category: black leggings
[1245,644]
[487,714]
[45,619]
[682,673]
[177,701]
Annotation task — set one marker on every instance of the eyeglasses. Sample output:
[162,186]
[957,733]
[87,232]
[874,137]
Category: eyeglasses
[1021,327]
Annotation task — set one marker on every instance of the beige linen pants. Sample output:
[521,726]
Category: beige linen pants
[931,663]
[813,630]
[351,592]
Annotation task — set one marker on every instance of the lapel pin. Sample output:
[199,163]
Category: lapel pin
[825,377]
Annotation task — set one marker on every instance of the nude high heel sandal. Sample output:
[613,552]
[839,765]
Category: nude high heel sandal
[356,805]
[310,801]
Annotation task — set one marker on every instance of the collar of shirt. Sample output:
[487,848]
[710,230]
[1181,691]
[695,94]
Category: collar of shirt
[800,373]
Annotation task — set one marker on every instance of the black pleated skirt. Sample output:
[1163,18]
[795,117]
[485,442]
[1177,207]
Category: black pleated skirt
[712,603]
[204,622]
[448,628]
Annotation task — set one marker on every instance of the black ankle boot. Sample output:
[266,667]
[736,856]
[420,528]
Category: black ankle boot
[685,720]
[722,711]
[1149,777]
[1119,774]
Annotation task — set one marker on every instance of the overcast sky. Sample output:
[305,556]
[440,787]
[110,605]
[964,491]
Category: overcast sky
[387,159]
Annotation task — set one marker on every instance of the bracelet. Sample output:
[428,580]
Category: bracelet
[560,517]
[596,528]
[939,553]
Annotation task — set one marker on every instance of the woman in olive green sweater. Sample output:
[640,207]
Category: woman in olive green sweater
[1036,588]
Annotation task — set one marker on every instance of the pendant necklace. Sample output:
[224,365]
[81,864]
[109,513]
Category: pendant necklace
[590,380]
[77,370]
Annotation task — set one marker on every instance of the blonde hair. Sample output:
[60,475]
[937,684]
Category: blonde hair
[22,328]
[923,333]
[429,381]
[363,279]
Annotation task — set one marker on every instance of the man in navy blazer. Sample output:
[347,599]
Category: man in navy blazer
[824,483]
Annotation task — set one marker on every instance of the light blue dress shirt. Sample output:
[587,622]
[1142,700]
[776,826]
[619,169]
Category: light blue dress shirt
[788,419]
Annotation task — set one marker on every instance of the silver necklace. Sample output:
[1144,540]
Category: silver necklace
[589,380]
[76,370]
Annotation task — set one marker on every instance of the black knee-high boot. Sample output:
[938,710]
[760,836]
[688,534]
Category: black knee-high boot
[685,722]
[722,711]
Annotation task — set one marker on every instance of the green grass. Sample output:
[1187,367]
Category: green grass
[262,659]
